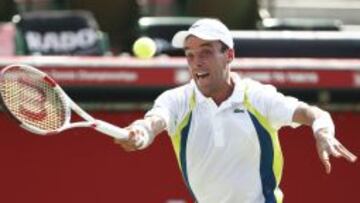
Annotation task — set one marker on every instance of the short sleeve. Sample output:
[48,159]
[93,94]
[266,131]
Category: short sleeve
[170,106]
[281,110]
[276,107]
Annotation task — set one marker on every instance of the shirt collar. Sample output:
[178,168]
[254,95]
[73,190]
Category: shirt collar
[200,98]
[237,95]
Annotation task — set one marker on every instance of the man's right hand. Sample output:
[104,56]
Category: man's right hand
[135,141]
[142,133]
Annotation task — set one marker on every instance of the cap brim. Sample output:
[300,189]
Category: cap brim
[179,39]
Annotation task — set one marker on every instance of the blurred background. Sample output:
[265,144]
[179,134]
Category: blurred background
[307,49]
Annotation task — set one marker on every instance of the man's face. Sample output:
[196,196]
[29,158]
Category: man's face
[208,64]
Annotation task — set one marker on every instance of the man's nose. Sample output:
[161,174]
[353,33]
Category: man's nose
[199,62]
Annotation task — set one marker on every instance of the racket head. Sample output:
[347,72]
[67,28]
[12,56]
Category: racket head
[33,99]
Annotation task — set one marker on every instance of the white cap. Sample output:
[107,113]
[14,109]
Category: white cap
[206,29]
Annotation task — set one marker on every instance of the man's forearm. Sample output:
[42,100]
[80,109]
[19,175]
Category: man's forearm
[156,124]
[306,114]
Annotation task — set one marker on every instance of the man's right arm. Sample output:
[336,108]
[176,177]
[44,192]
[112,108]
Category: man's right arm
[161,116]
[142,133]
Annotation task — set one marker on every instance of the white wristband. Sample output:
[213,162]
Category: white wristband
[147,137]
[323,122]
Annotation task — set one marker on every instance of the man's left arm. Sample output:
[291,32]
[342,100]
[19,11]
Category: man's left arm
[324,133]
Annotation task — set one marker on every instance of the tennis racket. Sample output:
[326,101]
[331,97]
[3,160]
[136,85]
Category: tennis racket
[42,107]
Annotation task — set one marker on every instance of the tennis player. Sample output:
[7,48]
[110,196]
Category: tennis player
[224,128]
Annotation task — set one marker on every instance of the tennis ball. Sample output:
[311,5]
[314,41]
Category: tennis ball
[144,48]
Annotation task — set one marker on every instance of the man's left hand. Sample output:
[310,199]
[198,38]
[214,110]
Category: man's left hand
[327,145]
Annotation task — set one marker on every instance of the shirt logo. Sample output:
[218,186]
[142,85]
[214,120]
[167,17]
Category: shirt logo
[237,110]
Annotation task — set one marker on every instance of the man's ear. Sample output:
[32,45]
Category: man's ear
[230,55]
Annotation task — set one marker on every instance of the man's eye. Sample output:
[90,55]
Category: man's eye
[206,52]
[189,56]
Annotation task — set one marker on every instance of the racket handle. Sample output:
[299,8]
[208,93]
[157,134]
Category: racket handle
[111,130]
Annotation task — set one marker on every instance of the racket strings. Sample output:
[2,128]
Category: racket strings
[32,100]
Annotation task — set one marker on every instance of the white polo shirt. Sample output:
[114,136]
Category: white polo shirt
[228,153]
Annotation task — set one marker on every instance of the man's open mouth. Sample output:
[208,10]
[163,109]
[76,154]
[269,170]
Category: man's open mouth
[202,75]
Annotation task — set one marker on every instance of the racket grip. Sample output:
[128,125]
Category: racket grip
[111,130]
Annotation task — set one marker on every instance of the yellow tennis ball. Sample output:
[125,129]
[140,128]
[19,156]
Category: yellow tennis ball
[144,47]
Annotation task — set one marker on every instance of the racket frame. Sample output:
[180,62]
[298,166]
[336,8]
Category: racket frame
[69,106]
[66,101]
